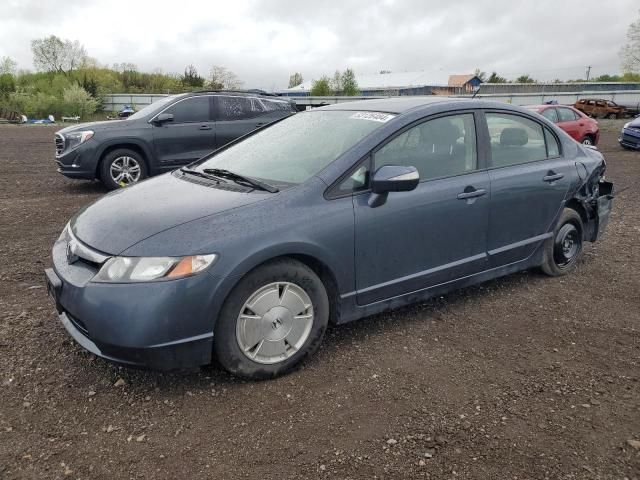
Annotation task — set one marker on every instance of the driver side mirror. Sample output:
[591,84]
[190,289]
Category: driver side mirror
[163,117]
[392,178]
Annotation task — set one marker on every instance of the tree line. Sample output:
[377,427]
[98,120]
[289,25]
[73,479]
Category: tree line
[67,81]
[341,84]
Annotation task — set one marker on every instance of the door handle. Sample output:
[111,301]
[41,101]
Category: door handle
[259,124]
[205,127]
[551,176]
[471,193]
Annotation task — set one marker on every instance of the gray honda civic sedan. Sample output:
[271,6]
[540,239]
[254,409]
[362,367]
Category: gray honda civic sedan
[327,216]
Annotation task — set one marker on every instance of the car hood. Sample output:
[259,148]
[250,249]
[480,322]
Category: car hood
[635,122]
[125,217]
[97,126]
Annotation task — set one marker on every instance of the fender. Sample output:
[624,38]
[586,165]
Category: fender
[269,253]
[107,144]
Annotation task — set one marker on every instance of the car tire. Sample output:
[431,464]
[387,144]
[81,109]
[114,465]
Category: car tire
[264,329]
[587,140]
[562,250]
[128,162]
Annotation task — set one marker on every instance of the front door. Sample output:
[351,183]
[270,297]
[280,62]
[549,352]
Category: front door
[435,233]
[190,136]
[529,181]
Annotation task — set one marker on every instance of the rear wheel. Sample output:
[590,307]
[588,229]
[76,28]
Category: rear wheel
[272,320]
[122,168]
[587,140]
[561,252]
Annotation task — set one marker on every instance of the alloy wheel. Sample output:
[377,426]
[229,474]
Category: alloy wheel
[125,171]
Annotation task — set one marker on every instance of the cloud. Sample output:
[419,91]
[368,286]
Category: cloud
[264,42]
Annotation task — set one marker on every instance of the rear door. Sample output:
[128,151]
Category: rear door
[529,181]
[190,136]
[238,115]
[570,123]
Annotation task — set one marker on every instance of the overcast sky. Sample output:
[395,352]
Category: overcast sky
[265,41]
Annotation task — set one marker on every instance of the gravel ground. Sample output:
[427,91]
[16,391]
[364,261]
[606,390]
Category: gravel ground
[524,377]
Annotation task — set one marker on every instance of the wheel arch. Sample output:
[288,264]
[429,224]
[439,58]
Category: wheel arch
[129,144]
[578,207]
[310,259]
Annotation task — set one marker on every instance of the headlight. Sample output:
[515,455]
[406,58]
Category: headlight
[75,139]
[147,269]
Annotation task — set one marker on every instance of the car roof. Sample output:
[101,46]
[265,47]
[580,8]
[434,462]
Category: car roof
[392,104]
[401,105]
[239,93]
[548,105]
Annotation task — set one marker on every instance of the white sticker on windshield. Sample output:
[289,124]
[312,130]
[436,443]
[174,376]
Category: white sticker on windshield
[373,116]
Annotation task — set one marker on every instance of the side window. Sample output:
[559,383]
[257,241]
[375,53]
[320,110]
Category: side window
[357,181]
[440,147]
[553,149]
[550,114]
[515,139]
[277,106]
[234,108]
[566,115]
[194,109]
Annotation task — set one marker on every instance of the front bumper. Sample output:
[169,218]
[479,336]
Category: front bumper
[630,138]
[81,162]
[163,325]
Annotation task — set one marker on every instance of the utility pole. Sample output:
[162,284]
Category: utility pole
[588,71]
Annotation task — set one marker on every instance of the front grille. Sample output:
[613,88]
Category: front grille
[59,139]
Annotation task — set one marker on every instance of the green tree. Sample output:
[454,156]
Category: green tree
[191,77]
[77,101]
[52,54]
[295,80]
[481,75]
[336,83]
[8,66]
[349,83]
[630,77]
[630,52]
[525,79]
[495,78]
[7,84]
[607,78]
[321,87]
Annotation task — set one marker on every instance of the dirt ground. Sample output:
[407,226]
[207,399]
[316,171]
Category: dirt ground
[525,377]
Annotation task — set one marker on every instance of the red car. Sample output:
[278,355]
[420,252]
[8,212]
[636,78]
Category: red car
[580,127]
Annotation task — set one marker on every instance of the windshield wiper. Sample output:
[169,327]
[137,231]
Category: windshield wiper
[199,174]
[236,177]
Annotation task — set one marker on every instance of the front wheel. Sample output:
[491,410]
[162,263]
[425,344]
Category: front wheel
[561,252]
[272,320]
[122,168]
[587,140]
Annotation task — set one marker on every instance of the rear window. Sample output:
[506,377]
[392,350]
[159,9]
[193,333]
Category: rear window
[240,107]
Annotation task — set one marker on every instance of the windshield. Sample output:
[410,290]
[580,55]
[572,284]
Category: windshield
[295,149]
[152,107]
